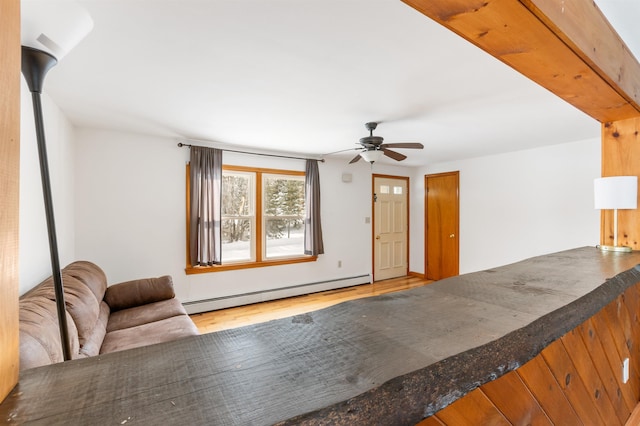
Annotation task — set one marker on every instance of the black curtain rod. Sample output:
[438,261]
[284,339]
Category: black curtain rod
[180,144]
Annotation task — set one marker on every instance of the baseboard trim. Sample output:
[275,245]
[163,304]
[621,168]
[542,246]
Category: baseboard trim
[417,274]
[198,306]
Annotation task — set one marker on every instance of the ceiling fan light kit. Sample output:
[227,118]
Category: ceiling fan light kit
[371,156]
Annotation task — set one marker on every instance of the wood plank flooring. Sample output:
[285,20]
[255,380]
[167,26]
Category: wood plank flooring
[223,319]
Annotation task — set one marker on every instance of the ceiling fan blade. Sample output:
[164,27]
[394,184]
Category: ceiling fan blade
[355,159]
[411,145]
[392,154]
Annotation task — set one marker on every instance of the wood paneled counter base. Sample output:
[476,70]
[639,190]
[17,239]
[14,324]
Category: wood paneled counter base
[394,359]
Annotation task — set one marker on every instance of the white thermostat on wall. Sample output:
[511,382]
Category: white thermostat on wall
[347,177]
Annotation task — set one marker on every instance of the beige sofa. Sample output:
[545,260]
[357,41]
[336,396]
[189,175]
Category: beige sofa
[100,319]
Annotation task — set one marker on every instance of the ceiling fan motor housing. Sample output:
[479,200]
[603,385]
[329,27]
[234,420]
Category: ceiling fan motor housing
[371,141]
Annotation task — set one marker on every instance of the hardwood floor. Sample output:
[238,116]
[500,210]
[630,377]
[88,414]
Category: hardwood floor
[223,319]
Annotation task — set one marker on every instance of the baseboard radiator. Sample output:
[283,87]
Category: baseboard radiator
[216,303]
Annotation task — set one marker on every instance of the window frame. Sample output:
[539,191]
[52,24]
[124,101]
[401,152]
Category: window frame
[260,237]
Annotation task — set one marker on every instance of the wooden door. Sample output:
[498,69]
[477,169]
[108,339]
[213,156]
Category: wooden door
[442,216]
[9,192]
[390,227]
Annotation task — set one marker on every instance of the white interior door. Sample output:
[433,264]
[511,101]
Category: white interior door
[390,228]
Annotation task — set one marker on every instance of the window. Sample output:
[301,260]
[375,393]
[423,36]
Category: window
[238,216]
[283,217]
[262,218]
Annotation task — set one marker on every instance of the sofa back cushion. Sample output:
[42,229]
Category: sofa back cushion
[83,283]
[90,274]
[40,342]
[139,292]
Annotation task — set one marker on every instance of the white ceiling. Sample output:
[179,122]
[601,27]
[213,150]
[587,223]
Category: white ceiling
[303,76]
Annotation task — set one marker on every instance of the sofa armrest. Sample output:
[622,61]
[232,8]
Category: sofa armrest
[139,292]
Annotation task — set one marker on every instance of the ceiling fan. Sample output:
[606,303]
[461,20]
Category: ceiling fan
[373,149]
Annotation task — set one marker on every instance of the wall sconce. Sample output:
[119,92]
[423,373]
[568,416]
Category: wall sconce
[49,30]
[613,193]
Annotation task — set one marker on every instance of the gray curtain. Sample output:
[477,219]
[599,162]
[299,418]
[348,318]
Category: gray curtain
[206,194]
[312,227]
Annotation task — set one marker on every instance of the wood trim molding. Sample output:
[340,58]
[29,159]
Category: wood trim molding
[9,193]
[553,44]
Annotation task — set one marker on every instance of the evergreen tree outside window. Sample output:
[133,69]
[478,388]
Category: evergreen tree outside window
[283,202]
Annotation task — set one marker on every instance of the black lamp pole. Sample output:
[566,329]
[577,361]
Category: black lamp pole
[35,64]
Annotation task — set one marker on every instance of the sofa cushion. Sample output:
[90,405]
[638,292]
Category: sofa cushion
[80,302]
[93,341]
[40,342]
[139,292]
[90,275]
[161,331]
[145,314]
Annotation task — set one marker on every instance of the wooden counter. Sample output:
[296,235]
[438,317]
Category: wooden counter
[390,359]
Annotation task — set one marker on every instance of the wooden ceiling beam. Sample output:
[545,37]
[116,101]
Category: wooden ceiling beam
[566,46]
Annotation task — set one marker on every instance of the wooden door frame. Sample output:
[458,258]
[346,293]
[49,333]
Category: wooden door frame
[426,217]
[373,220]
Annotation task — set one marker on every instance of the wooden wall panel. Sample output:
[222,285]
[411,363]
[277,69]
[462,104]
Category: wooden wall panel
[567,376]
[545,388]
[9,191]
[474,410]
[609,407]
[432,421]
[511,396]
[621,157]
[631,299]
[614,354]
[608,373]
[576,380]
[619,325]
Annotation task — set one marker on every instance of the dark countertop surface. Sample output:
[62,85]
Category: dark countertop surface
[390,359]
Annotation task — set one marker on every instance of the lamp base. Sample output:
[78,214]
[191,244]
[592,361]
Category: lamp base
[619,249]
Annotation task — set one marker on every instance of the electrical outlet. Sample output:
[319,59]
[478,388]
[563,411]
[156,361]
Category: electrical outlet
[339,263]
[625,370]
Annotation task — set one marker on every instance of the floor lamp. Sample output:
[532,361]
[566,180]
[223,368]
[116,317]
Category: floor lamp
[49,31]
[613,193]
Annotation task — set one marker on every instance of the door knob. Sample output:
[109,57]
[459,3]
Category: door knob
[452,235]
[377,237]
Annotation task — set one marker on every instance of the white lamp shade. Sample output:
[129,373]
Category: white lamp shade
[371,156]
[53,26]
[616,192]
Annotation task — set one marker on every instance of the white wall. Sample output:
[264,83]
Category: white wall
[517,205]
[35,261]
[130,210]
